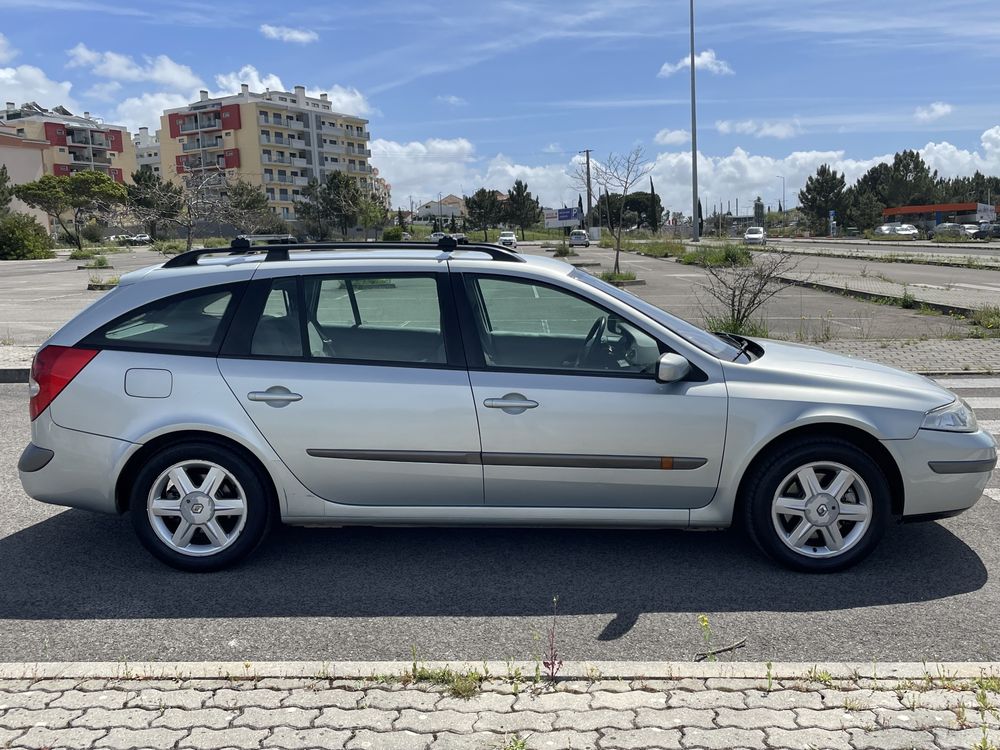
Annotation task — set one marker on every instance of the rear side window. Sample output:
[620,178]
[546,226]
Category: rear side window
[191,323]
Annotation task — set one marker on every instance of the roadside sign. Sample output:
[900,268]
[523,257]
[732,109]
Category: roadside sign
[562,217]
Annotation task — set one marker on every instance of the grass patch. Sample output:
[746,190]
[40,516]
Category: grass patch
[215,242]
[987,317]
[169,247]
[659,249]
[720,255]
[620,276]
[727,324]
[85,254]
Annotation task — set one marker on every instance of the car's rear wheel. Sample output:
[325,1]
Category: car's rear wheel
[818,506]
[200,507]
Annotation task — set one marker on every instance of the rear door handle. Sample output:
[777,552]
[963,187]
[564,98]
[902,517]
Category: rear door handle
[276,395]
[512,403]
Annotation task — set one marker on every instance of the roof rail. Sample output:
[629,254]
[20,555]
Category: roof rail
[279,252]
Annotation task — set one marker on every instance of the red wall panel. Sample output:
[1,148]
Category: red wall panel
[115,142]
[232,158]
[231,117]
[55,133]
[60,170]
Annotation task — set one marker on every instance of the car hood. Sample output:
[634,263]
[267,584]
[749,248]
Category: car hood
[806,372]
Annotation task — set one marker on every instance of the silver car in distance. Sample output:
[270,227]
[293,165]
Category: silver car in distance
[450,384]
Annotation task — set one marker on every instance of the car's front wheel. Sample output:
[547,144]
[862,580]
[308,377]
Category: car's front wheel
[818,506]
[200,507]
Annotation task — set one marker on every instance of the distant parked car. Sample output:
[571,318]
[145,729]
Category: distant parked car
[755,236]
[975,232]
[436,236]
[508,239]
[406,237]
[460,238]
[886,230]
[947,229]
[907,231]
[992,230]
[140,239]
[579,237]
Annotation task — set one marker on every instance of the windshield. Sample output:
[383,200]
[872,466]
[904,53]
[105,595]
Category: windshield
[704,340]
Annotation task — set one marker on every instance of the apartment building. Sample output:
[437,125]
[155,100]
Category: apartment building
[73,143]
[277,139]
[147,149]
[22,156]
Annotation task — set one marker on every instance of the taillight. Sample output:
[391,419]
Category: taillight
[52,369]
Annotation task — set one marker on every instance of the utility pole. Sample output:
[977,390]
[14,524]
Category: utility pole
[590,204]
[440,215]
[694,143]
[783,206]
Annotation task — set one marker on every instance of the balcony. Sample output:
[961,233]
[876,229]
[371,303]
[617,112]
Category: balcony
[296,124]
[300,180]
[270,159]
[265,139]
[298,161]
[362,135]
[296,142]
[102,160]
[333,130]
[330,148]
[188,126]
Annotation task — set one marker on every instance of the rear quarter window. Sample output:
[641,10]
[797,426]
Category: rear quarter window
[192,322]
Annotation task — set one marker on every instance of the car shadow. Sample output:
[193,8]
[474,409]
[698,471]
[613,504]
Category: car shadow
[79,565]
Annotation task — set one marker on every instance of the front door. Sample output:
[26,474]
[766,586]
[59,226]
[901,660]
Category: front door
[570,413]
[356,383]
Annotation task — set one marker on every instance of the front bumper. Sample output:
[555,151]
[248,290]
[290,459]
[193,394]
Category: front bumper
[943,473]
[72,468]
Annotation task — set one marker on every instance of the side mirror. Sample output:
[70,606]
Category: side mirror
[671,368]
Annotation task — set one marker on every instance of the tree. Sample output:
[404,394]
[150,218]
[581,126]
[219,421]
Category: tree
[910,181]
[646,206]
[579,207]
[758,211]
[701,220]
[864,210]
[743,288]
[452,224]
[618,172]
[71,200]
[521,209]
[23,238]
[371,212]
[484,210]
[401,220]
[6,190]
[245,206]
[151,200]
[333,203]
[655,209]
[823,192]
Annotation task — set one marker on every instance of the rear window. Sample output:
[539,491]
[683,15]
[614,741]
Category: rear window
[191,323]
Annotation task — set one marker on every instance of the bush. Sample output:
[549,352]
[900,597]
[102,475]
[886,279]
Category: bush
[64,238]
[216,242]
[23,238]
[92,232]
[85,254]
[392,234]
[712,257]
[100,262]
[169,247]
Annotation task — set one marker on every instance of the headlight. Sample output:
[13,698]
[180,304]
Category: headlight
[953,417]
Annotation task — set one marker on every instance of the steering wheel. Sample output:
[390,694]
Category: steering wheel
[596,333]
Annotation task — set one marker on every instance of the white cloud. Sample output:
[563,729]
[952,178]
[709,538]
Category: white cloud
[422,168]
[344,99]
[553,148]
[7,52]
[288,34]
[452,100]
[26,83]
[145,109]
[705,60]
[759,129]
[116,66]
[104,92]
[934,111]
[668,137]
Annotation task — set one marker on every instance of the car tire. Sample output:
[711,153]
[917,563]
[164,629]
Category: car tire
[225,502]
[781,494]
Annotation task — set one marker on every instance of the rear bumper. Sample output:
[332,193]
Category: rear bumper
[72,468]
[943,473]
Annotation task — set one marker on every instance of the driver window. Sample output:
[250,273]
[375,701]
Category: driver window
[533,326]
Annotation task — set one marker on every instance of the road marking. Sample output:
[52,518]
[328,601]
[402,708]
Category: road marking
[986,287]
[991,426]
[978,402]
[960,383]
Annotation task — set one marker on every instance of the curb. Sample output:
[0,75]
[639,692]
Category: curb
[14,374]
[604,670]
[871,296]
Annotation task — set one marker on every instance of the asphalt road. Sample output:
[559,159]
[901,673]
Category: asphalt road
[78,586]
[910,247]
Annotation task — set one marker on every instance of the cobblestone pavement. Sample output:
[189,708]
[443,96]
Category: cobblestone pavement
[814,711]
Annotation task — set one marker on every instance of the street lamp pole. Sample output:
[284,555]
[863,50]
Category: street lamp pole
[440,215]
[694,142]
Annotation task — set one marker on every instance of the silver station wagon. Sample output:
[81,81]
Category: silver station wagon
[379,384]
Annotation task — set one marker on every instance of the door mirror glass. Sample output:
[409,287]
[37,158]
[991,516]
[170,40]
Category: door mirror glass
[671,368]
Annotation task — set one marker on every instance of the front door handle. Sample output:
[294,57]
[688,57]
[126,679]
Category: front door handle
[512,403]
[276,395]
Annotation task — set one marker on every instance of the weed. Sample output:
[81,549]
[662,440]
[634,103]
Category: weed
[593,674]
[713,257]
[987,316]
[961,717]
[552,662]
[85,254]
[459,684]
[989,684]
[620,276]
[852,704]
[770,676]
[169,247]
[726,324]
[514,743]
[706,635]
[907,301]
[820,675]
[100,261]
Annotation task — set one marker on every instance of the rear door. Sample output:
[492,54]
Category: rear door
[359,384]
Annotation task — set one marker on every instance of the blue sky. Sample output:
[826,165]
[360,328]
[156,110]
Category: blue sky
[462,94]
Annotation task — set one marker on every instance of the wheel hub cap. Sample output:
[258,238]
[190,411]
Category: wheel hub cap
[197,508]
[822,510]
